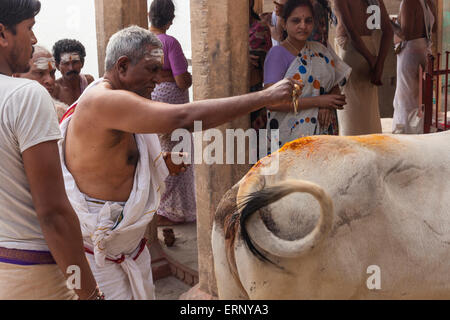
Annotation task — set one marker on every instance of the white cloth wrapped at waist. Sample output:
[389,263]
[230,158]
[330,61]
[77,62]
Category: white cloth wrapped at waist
[109,239]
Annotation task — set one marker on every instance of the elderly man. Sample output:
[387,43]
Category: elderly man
[415,30]
[42,70]
[113,168]
[69,55]
[40,238]
[361,48]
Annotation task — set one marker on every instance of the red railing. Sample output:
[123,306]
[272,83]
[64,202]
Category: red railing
[436,117]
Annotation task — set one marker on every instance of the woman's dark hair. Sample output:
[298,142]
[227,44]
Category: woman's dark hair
[326,6]
[291,5]
[161,13]
[13,12]
[68,46]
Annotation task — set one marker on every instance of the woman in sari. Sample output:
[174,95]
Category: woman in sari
[320,70]
[178,202]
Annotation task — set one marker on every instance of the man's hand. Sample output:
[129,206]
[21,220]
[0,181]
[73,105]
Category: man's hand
[372,61]
[376,74]
[325,117]
[175,169]
[281,93]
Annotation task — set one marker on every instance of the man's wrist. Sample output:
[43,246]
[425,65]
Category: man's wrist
[265,97]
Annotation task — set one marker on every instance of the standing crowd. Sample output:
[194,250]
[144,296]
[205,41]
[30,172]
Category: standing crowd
[82,192]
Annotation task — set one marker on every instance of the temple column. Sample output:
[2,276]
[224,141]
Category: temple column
[114,15]
[220,69]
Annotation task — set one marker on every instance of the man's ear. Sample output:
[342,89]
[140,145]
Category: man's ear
[122,65]
[3,40]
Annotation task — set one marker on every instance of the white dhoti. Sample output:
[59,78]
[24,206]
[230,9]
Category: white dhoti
[114,231]
[361,114]
[407,106]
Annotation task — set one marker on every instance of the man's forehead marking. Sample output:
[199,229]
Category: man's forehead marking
[70,56]
[45,63]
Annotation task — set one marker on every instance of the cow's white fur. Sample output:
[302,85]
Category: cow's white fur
[391,198]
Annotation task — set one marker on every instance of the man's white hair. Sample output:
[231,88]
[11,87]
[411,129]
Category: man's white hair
[41,49]
[129,42]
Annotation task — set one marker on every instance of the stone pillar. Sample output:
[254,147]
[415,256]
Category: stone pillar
[114,15]
[220,69]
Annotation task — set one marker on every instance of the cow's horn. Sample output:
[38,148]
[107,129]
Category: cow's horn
[256,234]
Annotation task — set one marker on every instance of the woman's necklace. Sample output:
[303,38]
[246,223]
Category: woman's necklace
[293,47]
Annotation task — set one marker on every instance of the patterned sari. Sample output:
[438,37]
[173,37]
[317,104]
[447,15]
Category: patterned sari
[321,70]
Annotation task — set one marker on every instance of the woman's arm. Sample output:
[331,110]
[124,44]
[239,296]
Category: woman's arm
[179,66]
[184,80]
[333,100]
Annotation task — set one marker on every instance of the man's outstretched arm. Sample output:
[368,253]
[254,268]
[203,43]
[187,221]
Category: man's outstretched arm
[128,112]
[59,223]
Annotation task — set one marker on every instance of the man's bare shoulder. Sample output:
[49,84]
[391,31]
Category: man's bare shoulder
[90,109]
[357,9]
[95,97]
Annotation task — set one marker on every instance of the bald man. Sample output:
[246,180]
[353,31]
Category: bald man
[42,70]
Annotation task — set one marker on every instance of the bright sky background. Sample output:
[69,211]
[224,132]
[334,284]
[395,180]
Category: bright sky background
[75,19]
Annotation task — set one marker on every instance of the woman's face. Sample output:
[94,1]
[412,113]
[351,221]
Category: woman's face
[300,23]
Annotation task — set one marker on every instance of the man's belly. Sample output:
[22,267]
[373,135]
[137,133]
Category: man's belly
[109,185]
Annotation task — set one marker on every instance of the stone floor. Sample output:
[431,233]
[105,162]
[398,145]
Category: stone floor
[170,288]
[183,251]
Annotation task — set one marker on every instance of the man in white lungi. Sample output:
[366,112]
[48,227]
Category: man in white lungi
[416,20]
[365,51]
[112,162]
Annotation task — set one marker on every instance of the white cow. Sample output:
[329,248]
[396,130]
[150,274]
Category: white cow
[377,225]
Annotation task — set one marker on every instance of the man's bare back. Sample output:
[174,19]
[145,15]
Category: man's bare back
[102,161]
[357,10]
[412,15]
